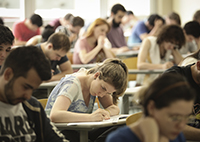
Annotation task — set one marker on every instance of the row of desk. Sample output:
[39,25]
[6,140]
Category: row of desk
[130,71]
[84,128]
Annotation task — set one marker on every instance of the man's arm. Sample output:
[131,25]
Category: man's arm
[65,68]
[18,42]
[191,133]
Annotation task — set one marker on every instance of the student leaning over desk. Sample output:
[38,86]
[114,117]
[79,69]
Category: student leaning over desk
[167,105]
[22,117]
[72,100]
[55,49]
[155,51]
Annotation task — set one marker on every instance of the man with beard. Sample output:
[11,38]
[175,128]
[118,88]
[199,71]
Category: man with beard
[144,29]
[22,117]
[116,34]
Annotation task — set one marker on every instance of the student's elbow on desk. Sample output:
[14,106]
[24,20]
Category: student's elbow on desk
[140,65]
[53,117]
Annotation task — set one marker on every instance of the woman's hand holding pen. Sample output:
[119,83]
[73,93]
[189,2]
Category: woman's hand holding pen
[99,115]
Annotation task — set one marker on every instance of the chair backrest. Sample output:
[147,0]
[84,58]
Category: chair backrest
[131,63]
[133,118]
[43,102]
[70,56]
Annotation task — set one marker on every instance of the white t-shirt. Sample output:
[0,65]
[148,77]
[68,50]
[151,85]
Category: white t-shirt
[188,60]
[14,125]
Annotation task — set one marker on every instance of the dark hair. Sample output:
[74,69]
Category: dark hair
[192,28]
[165,90]
[68,16]
[129,12]
[59,41]
[6,35]
[114,72]
[196,15]
[36,20]
[22,59]
[77,21]
[154,17]
[176,17]
[1,21]
[171,33]
[47,32]
[117,7]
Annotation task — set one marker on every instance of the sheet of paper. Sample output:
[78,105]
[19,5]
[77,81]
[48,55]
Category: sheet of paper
[113,119]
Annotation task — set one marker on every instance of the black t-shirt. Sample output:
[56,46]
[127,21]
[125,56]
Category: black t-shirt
[54,63]
[186,72]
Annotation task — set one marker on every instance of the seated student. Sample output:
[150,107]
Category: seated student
[6,41]
[196,16]
[116,33]
[72,100]
[143,29]
[173,19]
[91,47]
[26,29]
[192,73]
[155,51]
[190,59]
[22,116]
[63,21]
[128,21]
[72,29]
[192,35]
[48,30]
[167,105]
[55,49]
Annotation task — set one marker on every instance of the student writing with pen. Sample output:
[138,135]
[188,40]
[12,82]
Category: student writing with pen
[72,100]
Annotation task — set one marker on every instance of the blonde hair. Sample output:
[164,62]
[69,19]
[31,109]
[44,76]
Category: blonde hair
[114,72]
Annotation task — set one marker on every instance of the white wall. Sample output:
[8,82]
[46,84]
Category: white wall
[186,9]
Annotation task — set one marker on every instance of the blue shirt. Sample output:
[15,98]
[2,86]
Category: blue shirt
[139,29]
[124,134]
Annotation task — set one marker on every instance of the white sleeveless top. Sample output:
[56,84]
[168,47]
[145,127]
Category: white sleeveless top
[154,54]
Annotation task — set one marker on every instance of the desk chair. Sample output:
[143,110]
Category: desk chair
[133,118]
[131,63]
[43,102]
[70,56]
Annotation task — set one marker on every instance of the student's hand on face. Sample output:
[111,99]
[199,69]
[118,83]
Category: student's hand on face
[100,115]
[146,125]
[101,41]
[158,23]
[167,65]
